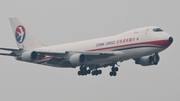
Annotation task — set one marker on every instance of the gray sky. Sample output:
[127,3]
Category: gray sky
[61,21]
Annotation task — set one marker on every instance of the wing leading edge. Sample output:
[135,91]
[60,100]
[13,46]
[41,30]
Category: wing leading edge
[89,54]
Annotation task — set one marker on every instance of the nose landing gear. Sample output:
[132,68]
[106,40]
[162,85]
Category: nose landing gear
[113,71]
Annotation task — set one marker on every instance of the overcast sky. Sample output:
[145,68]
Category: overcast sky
[60,21]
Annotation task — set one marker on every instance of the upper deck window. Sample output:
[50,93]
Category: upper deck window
[157,30]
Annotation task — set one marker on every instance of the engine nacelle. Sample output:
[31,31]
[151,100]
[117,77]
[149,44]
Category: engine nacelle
[78,59]
[148,60]
[29,56]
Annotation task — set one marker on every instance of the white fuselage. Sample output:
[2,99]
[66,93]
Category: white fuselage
[133,44]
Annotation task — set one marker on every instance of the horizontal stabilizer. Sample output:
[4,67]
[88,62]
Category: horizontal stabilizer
[9,49]
[11,54]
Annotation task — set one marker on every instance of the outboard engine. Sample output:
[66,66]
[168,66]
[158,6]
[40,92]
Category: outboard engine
[29,56]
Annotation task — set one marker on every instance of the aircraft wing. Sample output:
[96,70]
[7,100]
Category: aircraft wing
[58,57]
[89,54]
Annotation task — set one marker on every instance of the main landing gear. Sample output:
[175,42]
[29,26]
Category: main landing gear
[96,72]
[84,71]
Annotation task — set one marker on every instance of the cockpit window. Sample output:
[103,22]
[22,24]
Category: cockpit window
[157,30]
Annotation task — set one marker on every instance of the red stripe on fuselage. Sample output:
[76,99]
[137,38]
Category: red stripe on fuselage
[161,43]
[45,59]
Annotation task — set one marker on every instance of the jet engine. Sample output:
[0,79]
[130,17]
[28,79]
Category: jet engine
[78,59]
[29,56]
[148,60]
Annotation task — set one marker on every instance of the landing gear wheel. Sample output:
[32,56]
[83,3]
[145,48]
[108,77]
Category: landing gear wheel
[96,72]
[112,73]
[84,72]
[79,73]
[93,73]
[115,69]
[99,72]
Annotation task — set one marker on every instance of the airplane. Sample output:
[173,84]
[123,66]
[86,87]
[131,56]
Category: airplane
[141,44]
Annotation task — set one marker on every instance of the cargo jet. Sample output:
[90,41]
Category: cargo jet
[142,45]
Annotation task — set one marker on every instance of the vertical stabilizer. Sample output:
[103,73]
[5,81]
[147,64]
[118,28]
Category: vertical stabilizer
[24,39]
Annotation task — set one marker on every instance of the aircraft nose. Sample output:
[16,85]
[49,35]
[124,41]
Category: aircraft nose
[170,39]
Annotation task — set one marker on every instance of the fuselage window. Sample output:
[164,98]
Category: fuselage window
[124,40]
[133,39]
[130,39]
[121,41]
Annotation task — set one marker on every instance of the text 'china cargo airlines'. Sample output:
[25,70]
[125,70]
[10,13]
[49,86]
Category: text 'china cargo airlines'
[142,45]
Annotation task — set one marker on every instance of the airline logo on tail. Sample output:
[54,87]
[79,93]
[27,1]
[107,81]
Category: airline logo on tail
[20,34]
